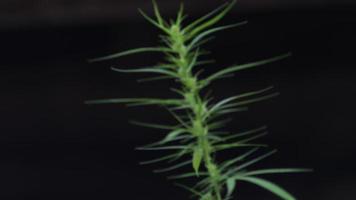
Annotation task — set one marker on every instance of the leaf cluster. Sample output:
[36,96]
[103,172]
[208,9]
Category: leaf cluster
[198,133]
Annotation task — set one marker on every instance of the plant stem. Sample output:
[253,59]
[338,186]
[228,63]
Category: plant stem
[197,107]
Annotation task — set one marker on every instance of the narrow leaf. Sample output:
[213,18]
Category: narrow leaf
[151,125]
[179,165]
[269,186]
[237,159]
[188,175]
[276,171]
[204,34]
[230,185]
[190,189]
[245,133]
[152,21]
[211,21]
[251,162]
[158,159]
[130,52]
[162,148]
[137,101]
[237,68]
[147,70]
[201,19]
[197,158]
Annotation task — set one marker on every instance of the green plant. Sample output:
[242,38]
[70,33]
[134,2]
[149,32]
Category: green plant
[197,136]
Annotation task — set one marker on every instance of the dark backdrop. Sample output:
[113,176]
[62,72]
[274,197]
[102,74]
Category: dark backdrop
[55,147]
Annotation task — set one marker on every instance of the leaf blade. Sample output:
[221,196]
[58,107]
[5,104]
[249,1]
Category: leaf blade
[129,52]
[272,187]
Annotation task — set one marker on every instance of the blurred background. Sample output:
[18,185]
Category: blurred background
[52,146]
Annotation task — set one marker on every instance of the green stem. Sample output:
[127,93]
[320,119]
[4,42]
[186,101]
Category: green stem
[197,107]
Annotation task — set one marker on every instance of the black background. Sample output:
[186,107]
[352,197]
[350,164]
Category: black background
[55,147]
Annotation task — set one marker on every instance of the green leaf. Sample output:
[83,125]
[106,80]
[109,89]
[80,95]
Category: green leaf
[180,14]
[164,142]
[190,189]
[204,34]
[207,196]
[178,118]
[235,145]
[158,159]
[276,171]
[203,18]
[231,110]
[162,148]
[230,185]
[251,162]
[222,104]
[277,190]
[151,125]
[250,101]
[188,175]
[237,68]
[170,137]
[197,158]
[137,101]
[160,20]
[211,21]
[194,60]
[147,70]
[158,78]
[253,137]
[179,165]
[152,21]
[245,133]
[130,52]
[201,43]
[228,163]
[173,134]
[218,124]
[203,183]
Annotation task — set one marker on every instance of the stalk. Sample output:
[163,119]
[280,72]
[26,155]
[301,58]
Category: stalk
[196,104]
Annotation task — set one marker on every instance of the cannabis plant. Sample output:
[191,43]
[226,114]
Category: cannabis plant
[198,134]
